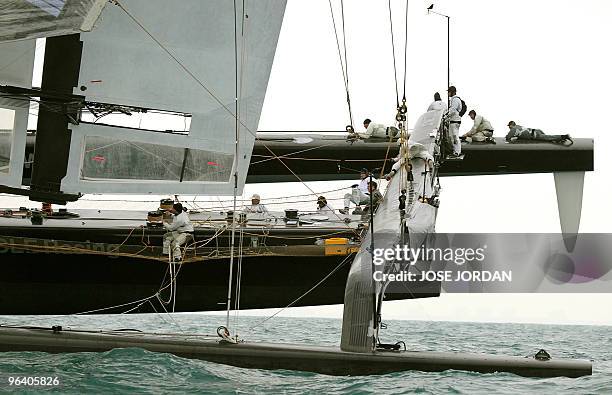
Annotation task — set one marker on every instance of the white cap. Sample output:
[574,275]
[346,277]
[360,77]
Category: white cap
[256,196]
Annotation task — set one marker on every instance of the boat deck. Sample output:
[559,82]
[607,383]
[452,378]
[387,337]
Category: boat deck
[129,219]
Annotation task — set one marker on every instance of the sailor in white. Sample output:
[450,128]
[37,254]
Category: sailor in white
[482,129]
[377,130]
[454,118]
[359,193]
[256,206]
[322,206]
[178,231]
[437,104]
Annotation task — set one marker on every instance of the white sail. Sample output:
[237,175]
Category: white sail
[358,333]
[16,64]
[179,56]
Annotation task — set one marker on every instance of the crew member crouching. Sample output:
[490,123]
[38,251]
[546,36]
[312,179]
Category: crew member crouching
[179,231]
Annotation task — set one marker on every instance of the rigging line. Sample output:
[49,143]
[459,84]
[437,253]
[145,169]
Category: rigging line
[112,307]
[240,246]
[201,201]
[156,312]
[312,191]
[348,97]
[289,154]
[178,62]
[104,146]
[319,159]
[182,66]
[331,10]
[170,315]
[334,270]
[406,52]
[198,81]
[344,74]
[236,159]
[159,158]
[393,51]
[238,281]
[133,308]
[382,168]
[243,57]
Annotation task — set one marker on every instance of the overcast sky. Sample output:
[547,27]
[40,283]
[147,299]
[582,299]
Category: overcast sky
[540,63]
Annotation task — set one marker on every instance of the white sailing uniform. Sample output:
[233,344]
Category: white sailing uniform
[256,208]
[325,210]
[437,105]
[455,119]
[359,195]
[178,232]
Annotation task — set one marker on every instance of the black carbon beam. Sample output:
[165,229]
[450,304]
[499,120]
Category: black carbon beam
[333,158]
[60,76]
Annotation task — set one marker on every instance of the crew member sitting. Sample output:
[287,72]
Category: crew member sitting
[481,130]
[517,132]
[255,206]
[377,197]
[358,195]
[323,207]
[178,231]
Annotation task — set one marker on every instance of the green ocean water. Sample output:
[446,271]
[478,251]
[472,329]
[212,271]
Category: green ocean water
[138,371]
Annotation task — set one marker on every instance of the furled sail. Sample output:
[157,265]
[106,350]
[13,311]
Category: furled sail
[362,292]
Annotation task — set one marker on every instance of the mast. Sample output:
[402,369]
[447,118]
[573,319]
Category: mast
[236,159]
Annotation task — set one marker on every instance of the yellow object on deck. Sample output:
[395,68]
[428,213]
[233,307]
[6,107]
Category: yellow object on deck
[339,246]
[166,204]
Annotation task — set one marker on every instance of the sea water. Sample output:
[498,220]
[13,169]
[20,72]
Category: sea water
[139,371]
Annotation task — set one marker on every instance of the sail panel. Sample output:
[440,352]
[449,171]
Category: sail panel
[17,62]
[178,56]
[13,126]
[120,159]
[23,19]
[199,35]
[110,159]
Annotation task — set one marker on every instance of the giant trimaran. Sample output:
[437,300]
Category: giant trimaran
[123,56]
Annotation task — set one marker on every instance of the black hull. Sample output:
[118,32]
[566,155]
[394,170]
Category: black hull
[56,280]
[37,283]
